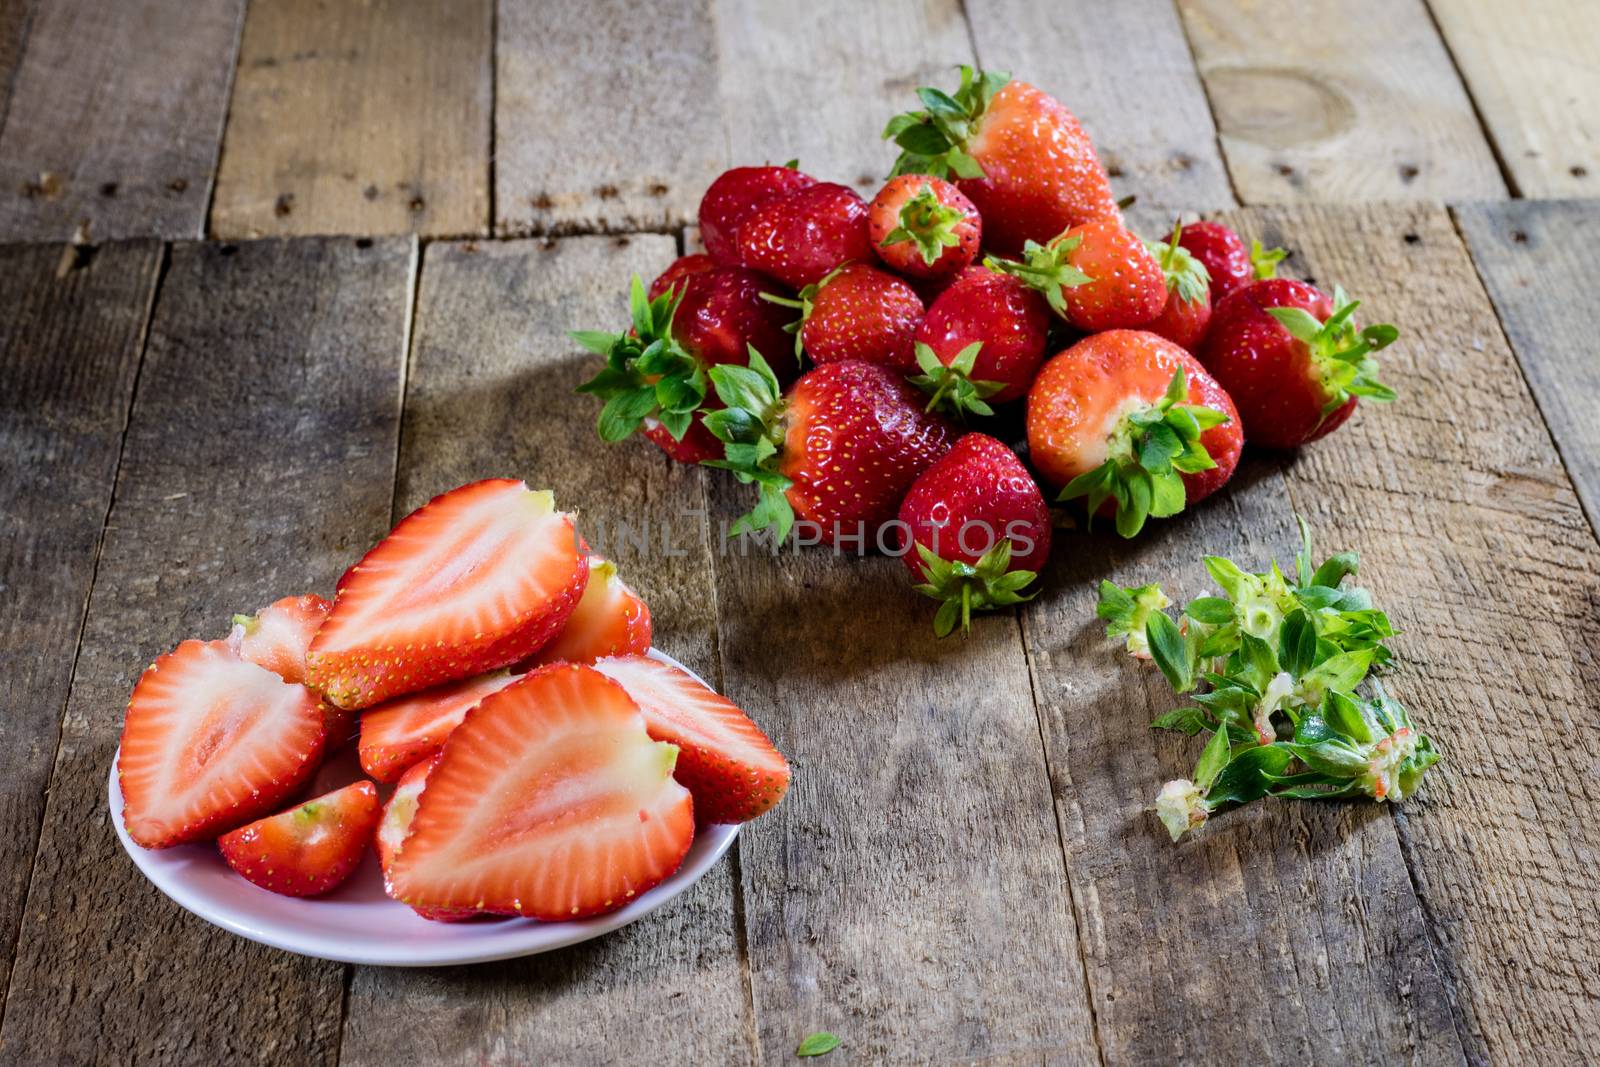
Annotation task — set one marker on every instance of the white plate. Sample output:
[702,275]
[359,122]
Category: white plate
[357,923]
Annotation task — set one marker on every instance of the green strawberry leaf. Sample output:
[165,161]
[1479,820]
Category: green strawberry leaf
[818,1044]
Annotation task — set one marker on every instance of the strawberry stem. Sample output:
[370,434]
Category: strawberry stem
[963,588]
[929,222]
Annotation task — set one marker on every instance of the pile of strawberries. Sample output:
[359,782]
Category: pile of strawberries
[496,671]
[827,350]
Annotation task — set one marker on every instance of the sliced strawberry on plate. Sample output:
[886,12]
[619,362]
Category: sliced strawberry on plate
[401,732]
[474,580]
[277,636]
[724,759]
[396,824]
[211,742]
[550,801]
[309,849]
[610,620]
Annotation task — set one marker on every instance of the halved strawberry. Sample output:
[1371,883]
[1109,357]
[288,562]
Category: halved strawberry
[401,732]
[309,849]
[724,759]
[211,742]
[396,825]
[549,801]
[277,637]
[474,580]
[610,620]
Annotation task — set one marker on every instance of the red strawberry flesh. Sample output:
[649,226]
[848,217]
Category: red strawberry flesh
[406,730]
[310,849]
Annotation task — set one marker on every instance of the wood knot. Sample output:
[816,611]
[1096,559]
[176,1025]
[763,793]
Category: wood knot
[1278,107]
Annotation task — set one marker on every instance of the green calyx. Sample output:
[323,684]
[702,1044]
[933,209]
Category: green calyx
[803,302]
[928,222]
[1149,451]
[1186,275]
[967,587]
[750,426]
[1126,611]
[950,388]
[648,374]
[1264,261]
[934,140]
[1340,354]
[251,623]
[1045,268]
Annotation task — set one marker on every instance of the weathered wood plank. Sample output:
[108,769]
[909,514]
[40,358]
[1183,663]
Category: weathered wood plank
[1476,544]
[908,894]
[1532,71]
[490,393]
[605,115]
[1354,101]
[115,118]
[1126,71]
[359,118]
[69,353]
[13,30]
[258,462]
[817,81]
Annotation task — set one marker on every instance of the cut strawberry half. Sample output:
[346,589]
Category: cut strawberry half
[610,620]
[396,824]
[550,800]
[474,580]
[724,759]
[398,733]
[211,742]
[277,638]
[309,849]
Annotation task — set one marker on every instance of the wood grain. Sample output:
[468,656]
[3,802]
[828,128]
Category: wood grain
[817,81]
[1532,71]
[69,353]
[1473,539]
[605,115]
[1347,102]
[359,118]
[13,31]
[258,463]
[115,118]
[1126,71]
[490,393]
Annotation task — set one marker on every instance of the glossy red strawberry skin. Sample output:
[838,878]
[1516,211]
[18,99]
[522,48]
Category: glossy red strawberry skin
[1128,288]
[863,313]
[1222,252]
[1270,373]
[801,236]
[982,486]
[855,438]
[696,446]
[682,268]
[1041,174]
[1009,318]
[1184,322]
[310,849]
[1080,393]
[733,196]
[395,824]
[883,217]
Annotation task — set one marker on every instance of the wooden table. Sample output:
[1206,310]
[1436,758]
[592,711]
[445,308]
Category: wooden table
[197,416]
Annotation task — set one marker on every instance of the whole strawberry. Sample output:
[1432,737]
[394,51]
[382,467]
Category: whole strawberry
[838,450]
[1188,312]
[1226,259]
[857,312]
[1110,419]
[1097,276]
[733,196]
[924,227]
[799,237]
[979,531]
[985,336]
[1013,150]
[1293,360]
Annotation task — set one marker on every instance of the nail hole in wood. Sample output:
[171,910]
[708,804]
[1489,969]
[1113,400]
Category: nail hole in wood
[1412,239]
[108,189]
[1578,170]
[178,185]
[284,205]
[1518,237]
[363,242]
[228,250]
[1409,172]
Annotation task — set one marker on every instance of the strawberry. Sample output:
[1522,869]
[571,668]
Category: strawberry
[1227,261]
[399,733]
[1009,324]
[799,237]
[1110,419]
[979,528]
[550,801]
[731,198]
[277,637]
[474,580]
[924,227]
[724,759]
[694,315]
[1293,360]
[309,849]
[1097,276]
[1188,312]
[838,450]
[1013,150]
[395,825]
[211,742]
[857,312]
[610,620]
